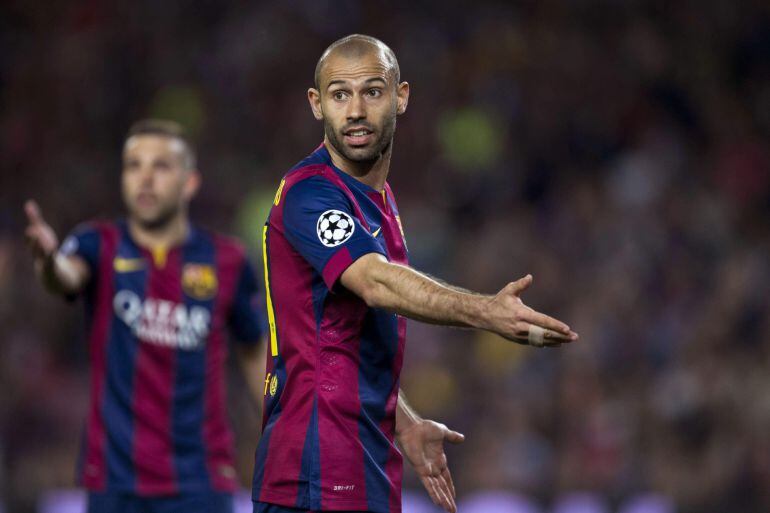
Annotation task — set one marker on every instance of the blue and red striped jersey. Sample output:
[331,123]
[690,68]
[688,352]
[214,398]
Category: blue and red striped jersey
[332,384]
[157,335]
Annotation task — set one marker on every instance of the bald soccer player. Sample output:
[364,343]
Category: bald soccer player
[161,295]
[339,290]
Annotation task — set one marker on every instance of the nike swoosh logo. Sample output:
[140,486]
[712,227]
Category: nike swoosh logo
[376,232]
[127,265]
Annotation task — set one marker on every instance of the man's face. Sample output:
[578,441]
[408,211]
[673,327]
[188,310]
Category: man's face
[156,184]
[358,100]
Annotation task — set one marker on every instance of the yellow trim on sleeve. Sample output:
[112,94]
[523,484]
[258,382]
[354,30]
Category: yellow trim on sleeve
[269,300]
[277,198]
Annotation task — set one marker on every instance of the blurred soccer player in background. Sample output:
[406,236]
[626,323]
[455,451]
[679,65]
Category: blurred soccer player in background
[338,290]
[159,293]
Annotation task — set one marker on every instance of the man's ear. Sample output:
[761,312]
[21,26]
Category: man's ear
[314,98]
[192,184]
[402,93]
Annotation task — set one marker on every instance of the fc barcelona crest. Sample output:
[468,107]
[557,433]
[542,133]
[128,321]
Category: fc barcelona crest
[199,281]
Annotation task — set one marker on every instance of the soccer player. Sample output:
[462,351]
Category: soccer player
[160,294]
[338,290]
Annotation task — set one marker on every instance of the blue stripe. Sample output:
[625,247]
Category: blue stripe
[310,471]
[190,382]
[120,369]
[319,293]
[379,343]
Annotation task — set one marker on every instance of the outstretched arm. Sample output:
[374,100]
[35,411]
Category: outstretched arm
[422,442]
[58,273]
[412,294]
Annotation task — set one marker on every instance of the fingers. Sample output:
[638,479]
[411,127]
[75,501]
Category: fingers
[454,437]
[540,337]
[529,326]
[32,234]
[520,285]
[544,321]
[548,337]
[430,486]
[555,338]
[448,502]
[34,216]
[40,237]
[447,475]
[440,492]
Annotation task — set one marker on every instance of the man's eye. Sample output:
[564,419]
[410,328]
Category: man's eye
[374,93]
[338,95]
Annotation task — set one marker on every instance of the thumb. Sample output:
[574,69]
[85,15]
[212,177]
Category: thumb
[34,216]
[520,285]
[454,437]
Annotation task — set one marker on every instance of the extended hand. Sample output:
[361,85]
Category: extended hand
[40,236]
[511,318]
[423,446]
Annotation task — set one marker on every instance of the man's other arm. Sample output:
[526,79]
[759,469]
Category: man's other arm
[58,273]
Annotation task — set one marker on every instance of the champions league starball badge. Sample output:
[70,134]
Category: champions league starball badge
[334,227]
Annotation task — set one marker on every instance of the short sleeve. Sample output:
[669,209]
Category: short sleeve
[247,320]
[320,224]
[84,242]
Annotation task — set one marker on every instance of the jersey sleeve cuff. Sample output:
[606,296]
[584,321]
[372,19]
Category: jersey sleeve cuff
[343,259]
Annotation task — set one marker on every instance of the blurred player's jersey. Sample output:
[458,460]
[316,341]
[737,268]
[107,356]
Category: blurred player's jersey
[157,342]
[332,383]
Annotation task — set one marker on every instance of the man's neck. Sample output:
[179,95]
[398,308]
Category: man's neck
[374,173]
[167,236]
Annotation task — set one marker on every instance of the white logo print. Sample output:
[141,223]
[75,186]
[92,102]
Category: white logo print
[161,322]
[69,246]
[334,227]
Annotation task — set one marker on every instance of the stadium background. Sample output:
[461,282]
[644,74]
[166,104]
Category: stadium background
[618,151]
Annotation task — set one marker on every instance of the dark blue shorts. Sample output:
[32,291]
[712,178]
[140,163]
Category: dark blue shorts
[264,507]
[199,502]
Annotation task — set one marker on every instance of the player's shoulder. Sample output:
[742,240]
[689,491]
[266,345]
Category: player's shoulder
[228,248]
[95,228]
[315,183]
[315,173]
[308,177]
[86,237]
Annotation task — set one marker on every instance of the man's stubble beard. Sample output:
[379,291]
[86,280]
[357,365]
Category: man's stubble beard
[161,220]
[381,146]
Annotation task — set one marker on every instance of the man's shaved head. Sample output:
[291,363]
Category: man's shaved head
[358,94]
[358,45]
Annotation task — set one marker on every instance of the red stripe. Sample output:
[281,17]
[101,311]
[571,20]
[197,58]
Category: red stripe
[94,475]
[336,265]
[154,378]
[283,461]
[217,437]
[339,405]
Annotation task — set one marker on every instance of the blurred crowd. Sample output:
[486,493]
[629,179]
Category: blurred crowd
[618,151]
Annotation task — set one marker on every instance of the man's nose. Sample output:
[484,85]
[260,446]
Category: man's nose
[356,108]
[146,175]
